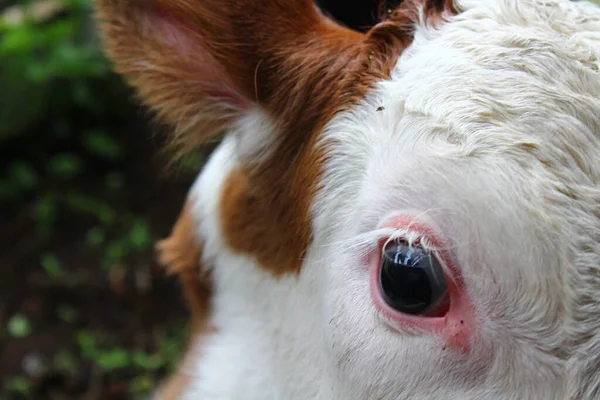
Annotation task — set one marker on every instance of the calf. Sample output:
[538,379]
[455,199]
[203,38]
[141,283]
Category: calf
[408,213]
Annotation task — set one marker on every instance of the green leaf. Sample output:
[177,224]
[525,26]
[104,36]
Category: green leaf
[19,384]
[45,210]
[38,73]
[115,252]
[87,345]
[58,32]
[19,326]
[140,235]
[24,175]
[149,362]
[113,360]
[101,144]
[171,347]
[95,237]
[52,265]
[22,40]
[141,385]
[93,206]
[65,166]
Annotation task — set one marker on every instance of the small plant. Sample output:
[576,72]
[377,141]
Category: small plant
[19,326]
[52,266]
[19,387]
[144,367]
[41,51]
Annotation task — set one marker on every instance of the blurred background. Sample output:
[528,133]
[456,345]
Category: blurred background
[85,312]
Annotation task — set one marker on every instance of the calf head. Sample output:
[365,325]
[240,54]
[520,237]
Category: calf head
[410,213]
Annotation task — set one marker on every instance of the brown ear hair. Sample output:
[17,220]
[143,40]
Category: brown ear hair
[201,64]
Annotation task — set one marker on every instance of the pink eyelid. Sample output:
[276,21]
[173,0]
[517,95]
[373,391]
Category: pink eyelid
[456,328]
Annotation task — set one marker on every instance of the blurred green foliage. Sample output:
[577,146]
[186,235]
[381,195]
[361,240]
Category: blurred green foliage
[67,155]
[59,91]
[57,88]
[50,66]
[114,358]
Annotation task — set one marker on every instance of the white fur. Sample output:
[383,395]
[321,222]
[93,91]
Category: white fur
[489,128]
[260,345]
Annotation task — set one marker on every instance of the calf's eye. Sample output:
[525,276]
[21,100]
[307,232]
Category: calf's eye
[412,281]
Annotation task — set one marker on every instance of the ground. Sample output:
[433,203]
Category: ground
[80,318]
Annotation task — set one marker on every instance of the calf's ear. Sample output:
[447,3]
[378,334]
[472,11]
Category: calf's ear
[201,64]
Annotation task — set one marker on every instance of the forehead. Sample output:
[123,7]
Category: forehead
[515,58]
[513,78]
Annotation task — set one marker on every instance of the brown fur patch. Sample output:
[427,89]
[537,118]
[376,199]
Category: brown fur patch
[181,254]
[266,209]
[201,64]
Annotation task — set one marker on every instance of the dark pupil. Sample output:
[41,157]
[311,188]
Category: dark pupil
[410,278]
